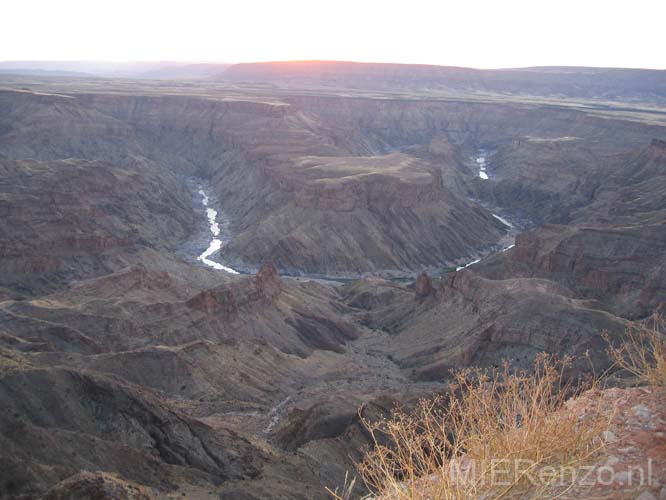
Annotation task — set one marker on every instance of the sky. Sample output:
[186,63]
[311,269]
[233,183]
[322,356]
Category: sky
[471,33]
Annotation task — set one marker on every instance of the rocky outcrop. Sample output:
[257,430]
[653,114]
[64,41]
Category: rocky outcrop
[83,212]
[85,419]
[324,420]
[140,306]
[620,267]
[542,179]
[362,183]
[423,286]
[470,320]
[98,485]
[612,249]
[346,215]
[373,293]
[635,444]
[228,300]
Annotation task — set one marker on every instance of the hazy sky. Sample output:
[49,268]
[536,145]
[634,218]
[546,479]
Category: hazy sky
[484,34]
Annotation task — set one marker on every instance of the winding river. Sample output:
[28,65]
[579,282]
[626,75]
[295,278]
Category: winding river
[215,243]
[513,230]
[218,233]
[512,233]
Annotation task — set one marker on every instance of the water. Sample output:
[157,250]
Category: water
[218,232]
[211,213]
[215,243]
[481,162]
[502,220]
[512,231]
[483,174]
[460,268]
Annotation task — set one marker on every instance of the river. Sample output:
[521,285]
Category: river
[219,232]
[513,230]
[216,243]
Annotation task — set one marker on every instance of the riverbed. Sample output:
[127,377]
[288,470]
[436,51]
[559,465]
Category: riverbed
[216,234]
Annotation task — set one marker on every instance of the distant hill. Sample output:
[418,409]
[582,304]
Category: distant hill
[157,70]
[578,82]
[200,70]
[41,72]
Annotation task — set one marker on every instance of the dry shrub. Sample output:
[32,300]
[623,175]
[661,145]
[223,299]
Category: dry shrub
[643,352]
[346,491]
[499,434]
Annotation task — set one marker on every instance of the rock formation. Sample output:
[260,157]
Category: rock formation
[423,285]
[130,370]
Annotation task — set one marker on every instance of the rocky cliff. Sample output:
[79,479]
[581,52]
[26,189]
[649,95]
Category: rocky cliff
[612,250]
[269,158]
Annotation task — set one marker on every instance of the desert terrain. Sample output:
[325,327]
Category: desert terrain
[385,224]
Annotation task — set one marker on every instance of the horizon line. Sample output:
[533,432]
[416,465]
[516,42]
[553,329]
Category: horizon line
[294,61]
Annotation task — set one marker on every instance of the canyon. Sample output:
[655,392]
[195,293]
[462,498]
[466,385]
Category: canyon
[205,285]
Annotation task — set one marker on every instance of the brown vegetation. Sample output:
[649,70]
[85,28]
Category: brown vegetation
[506,434]
[494,434]
[643,352]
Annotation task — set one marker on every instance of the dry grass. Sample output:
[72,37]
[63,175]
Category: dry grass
[643,352]
[347,490]
[501,434]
